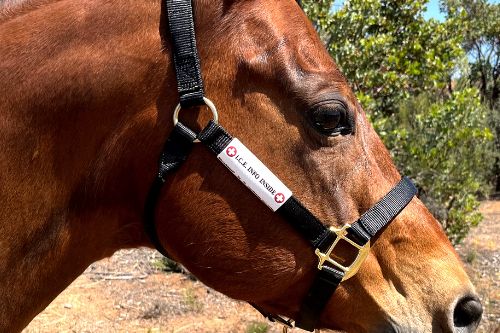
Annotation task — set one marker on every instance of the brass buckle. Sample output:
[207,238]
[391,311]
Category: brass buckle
[285,329]
[351,270]
[286,323]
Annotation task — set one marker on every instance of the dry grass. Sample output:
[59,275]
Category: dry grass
[127,293]
[481,253]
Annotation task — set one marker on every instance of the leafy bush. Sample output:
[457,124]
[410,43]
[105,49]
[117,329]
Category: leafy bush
[495,128]
[168,265]
[387,49]
[447,148]
[403,69]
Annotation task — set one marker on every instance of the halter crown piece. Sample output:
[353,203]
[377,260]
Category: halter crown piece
[266,186]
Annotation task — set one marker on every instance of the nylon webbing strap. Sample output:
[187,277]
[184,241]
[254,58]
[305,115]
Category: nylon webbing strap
[305,222]
[217,140]
[324,285]
[190,88]
[328,279]
[379,215]
[367,226]
[186,59]
[178,147]
[215,137]
[174,153]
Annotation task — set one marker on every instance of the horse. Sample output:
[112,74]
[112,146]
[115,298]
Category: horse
[87,93]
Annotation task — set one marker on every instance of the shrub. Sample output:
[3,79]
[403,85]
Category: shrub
[447,148]
[402,67]
[257,327]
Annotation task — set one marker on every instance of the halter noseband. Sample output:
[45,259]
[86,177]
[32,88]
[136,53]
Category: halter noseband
[267,186]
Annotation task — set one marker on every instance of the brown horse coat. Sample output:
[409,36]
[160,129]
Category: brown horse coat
[86,94]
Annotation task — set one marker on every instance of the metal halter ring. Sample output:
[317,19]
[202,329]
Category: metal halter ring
[208,103]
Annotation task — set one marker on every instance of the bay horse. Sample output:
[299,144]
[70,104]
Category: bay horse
[87,90]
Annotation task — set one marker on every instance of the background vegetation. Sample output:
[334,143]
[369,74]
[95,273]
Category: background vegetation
[431,89]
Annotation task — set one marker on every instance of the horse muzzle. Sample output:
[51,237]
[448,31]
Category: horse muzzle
[464,317]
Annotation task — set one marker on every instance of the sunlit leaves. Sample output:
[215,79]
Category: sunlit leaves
[387,50]
[446,147]
[404,70]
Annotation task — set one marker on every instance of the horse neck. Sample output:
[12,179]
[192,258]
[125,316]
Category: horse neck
[81,130]
[87,106]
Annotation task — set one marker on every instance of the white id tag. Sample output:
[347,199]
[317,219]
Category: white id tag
[254,174]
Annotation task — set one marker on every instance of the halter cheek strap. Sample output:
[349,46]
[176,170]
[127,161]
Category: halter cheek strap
[269,189]
[174,153]
[186,58]
[322,238]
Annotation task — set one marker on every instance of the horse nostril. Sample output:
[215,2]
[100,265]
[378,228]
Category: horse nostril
[467,313]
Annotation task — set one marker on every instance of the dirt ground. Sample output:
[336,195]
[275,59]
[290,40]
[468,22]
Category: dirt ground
[481,254]
[128,293]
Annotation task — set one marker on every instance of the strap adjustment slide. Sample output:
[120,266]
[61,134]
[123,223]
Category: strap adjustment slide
[352,269]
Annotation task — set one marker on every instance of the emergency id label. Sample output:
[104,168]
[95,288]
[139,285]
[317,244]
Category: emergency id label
[254,174]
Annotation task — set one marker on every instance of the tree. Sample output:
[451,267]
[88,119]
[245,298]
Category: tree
[387,50]
[481,29]
[403,70]
[445,145]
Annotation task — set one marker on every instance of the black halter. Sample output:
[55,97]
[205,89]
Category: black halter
[322,238]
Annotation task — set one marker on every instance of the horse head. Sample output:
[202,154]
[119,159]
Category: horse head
[96,124]
[279,91]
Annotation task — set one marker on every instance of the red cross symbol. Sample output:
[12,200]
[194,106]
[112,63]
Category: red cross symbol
[279,198]
[231,151]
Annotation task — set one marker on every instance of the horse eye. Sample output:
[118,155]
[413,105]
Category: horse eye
[330,119]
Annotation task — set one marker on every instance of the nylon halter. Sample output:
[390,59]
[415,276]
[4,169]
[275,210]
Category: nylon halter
[323,239]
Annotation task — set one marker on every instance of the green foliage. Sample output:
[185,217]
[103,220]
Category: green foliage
[171,266]
[319,12]
[167,265]
[495,127]
[387,50]
[403,69]
[257,327]
[446,147]
[471,256]
[481,29]
[191,301]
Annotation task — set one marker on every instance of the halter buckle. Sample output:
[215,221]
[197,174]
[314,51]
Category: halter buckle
[353,268]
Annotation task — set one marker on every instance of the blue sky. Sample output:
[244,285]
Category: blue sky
[432,8]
